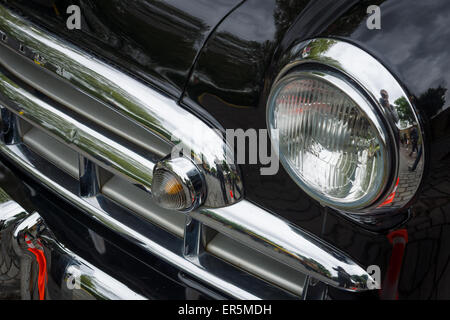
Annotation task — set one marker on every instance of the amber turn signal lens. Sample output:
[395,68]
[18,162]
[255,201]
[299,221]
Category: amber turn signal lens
[168,191]
[178,184]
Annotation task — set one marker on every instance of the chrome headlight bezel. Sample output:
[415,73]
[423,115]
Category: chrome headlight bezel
[363,78]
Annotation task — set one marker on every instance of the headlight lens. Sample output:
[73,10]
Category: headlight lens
[328,139]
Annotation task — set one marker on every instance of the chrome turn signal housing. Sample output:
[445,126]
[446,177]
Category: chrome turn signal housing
[178,185]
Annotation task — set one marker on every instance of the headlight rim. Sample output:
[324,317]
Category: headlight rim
[372,76]
[341,81]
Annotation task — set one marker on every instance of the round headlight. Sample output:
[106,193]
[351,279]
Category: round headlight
[329,139]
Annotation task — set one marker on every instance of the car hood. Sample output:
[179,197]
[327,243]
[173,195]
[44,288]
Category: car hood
[155,40]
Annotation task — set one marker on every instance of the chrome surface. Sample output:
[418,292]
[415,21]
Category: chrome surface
[137,200]
[242,221]
[192,245]
[67,95]
[167,248]
[371,196]
[76,133]
[10,127]
[20,231]
[388,98]
[190,177]
[255,262]
[52,150]
[129,97]
[89,178]
[286,243]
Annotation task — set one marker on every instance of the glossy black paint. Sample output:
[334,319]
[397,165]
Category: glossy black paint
[232,78]
[412,45]
[157,41]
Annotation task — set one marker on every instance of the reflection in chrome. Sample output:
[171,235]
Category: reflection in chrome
[405,135]
[29,241]
[286,243]
[74,133]
[246,223]
[122,93]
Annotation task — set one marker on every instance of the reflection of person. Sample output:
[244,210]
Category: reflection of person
[344,279]
[419,155]
[405,139]
[414,136]
[384,101]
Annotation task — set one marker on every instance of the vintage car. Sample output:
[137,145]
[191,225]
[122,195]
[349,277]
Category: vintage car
[226,149]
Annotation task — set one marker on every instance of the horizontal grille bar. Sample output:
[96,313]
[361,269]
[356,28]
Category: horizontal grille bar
[73,132]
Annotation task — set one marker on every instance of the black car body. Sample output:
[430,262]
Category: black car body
[217,61]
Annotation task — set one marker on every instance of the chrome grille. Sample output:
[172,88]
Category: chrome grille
[95,144]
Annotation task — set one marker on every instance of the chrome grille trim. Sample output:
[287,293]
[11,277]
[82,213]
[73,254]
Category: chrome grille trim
[54,151]
[123,94]
[80,103]
[163,251]
[74,132]
[242,221]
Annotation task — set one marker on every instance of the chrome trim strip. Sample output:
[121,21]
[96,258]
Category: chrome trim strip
[71,131]
[137,101]
[279,239]
[159,250]
[398,111]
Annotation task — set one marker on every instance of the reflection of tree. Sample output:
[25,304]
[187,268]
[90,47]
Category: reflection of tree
[404,111]
[285,12]
[319,48]
[353,18]
[432,101]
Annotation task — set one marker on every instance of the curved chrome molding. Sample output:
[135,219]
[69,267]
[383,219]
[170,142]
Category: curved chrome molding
[122,93]
[387,98]
[24,231]
[243,222]
[197,271]
[286,243]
